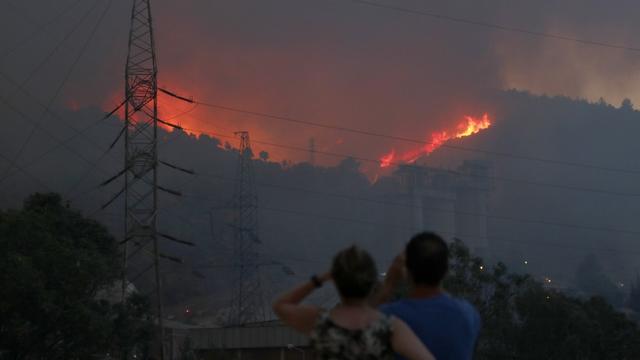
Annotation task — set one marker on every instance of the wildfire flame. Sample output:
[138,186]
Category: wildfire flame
[468,127]
[386,160]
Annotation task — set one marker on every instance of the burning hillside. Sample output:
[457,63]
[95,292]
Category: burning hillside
[469,126]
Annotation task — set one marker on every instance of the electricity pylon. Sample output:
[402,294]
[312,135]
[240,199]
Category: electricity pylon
[247,303]
[141,157]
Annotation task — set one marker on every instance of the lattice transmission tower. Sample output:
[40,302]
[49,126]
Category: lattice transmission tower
[247,302]
[141,158]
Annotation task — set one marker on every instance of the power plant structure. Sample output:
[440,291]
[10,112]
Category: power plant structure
[452,203]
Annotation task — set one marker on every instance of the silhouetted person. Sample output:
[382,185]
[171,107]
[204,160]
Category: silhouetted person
[448,326]
[353,330]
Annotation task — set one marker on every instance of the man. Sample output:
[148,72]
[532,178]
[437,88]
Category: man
[447,326]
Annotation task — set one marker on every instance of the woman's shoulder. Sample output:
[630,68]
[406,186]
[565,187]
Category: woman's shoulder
[323,320]
[377,319]
[382,322]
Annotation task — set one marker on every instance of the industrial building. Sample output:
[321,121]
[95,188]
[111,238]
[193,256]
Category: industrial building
[452,203]
[270,340]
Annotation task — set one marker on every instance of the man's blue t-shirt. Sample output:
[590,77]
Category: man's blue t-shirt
[448,326]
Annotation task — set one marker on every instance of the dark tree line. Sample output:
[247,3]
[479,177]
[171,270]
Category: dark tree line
[634,296]
[56,268]
[524,320]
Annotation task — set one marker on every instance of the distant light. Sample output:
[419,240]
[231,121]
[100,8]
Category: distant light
[548,297]
[526,262]
[621,284]
[547,280]
[383,274]
[481,267]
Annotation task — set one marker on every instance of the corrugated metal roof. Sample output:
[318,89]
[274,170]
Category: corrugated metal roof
[267,335]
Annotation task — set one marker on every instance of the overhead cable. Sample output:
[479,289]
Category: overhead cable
[421,168]
[493,26]
[429,208]
[410,140]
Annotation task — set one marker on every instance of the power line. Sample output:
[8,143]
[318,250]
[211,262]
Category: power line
[494,178]
[12,7]
[59,143]
[205,251]
[40,28]
[348,220]
[451,146]
[78,194]
[26,117]
[408,228]
[496,26]
[202,198]
[65,143]
[24,171]
[357,221]
[376,161]
[47,108]
[404,139]
[399,204]
[365,222]
[302,213]
[58,45]
[36,126]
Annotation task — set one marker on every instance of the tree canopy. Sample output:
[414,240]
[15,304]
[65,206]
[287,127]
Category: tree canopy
[53,265]
[524,320]
[591,279]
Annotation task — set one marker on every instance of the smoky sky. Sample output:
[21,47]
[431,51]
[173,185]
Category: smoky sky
[333,61]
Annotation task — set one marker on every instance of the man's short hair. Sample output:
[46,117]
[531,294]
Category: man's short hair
[427,258]
[354,273]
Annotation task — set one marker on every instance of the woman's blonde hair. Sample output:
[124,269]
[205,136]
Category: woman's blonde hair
[354,272]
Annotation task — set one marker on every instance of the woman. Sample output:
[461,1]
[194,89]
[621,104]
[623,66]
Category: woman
[352,330]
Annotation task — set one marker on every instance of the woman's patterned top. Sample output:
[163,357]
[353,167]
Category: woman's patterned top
[334,342]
